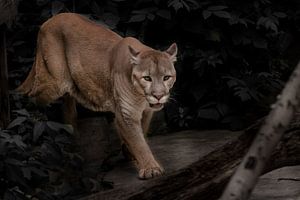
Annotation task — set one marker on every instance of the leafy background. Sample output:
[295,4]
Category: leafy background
[234,57]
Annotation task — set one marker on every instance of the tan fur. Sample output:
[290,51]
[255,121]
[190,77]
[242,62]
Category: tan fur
[104,72]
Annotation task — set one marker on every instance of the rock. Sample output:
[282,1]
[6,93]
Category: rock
[280,184]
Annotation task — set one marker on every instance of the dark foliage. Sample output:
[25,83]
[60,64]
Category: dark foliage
[234,59]
[39,159]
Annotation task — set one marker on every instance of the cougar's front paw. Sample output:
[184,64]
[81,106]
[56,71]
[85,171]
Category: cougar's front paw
[150,172]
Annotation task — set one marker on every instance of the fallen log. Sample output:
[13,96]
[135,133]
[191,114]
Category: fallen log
[206,178]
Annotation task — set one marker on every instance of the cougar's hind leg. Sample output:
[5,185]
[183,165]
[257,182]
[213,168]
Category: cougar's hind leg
[52,72]
[70,111]
[44,88]
[54,57]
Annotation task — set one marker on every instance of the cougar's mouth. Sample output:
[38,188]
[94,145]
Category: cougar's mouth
[156,106]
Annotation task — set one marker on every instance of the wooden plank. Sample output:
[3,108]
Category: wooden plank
[4,100]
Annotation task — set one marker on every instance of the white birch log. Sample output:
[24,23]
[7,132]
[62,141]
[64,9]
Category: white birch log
[244,179]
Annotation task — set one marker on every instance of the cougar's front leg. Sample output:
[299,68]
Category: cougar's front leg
[131,132]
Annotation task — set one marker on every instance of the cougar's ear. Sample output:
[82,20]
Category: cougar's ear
[172,51]
[134,56]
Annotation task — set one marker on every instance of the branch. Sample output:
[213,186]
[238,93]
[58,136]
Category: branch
[254,162]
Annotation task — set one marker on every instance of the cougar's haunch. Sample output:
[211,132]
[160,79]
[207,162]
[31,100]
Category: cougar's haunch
[104,72]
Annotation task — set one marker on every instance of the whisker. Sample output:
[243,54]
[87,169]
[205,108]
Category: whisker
[171,99]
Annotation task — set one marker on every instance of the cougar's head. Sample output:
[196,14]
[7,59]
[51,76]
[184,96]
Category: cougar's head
[153,74]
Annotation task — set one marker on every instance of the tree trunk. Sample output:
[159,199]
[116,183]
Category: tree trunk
[8,12]
[4,100]
[206,178]
[254,162]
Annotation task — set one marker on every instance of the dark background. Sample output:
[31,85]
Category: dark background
[234,58]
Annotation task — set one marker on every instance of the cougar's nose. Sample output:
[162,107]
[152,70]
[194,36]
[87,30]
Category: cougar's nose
[158,96]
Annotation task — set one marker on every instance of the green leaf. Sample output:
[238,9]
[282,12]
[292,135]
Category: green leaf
[150,16]
[166,14]
[223,109]
[214,36]
[216,8]
[4,135]
[26,172]
[38,130]
[176,4]
[240,39]
[280,14]
[243,21]
[271,25]
[260,43]
[194,3]
[242,93]
[12,161]
[145,10]
[268,23]
[198,91]
[261,21]
[38,171]
[266,1]
[23,112]
[58,126]
[137,18]
[17,139]
[186,5]
[206,14]
[222,14]
[14,174]
[62,139]
[16,122]
[209,113]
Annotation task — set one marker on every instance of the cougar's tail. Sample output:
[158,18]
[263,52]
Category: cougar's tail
[27,85]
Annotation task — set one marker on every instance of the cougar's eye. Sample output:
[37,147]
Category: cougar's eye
[166,78]
[147,78]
